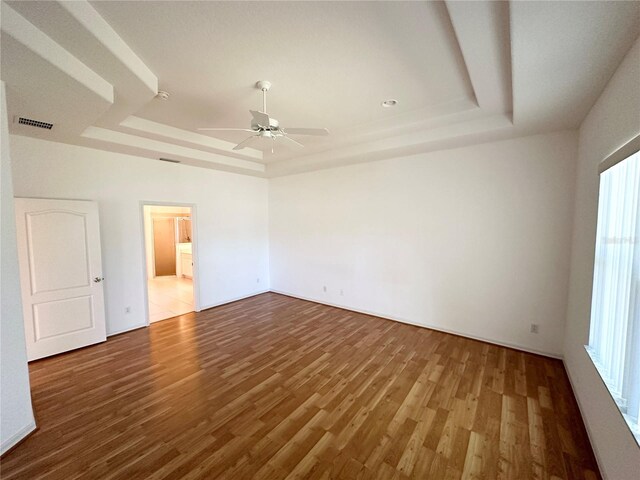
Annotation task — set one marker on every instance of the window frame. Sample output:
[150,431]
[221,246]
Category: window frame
[623,153]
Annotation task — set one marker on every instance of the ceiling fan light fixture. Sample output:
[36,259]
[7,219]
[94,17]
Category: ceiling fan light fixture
[389,103]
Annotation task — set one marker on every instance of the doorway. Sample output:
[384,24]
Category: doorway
[169,248]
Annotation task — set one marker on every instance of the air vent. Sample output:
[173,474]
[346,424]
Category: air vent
[170,160]
[34,123]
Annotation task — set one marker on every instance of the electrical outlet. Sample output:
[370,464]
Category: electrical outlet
[324,288]
[535,328]
[342,292]
[257,280]
[127,310]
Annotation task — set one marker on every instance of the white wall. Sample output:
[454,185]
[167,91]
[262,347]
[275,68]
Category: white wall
[474,240]
[16,414]
[613,120]
[231,218]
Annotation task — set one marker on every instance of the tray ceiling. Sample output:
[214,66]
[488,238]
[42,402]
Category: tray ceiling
[462,72]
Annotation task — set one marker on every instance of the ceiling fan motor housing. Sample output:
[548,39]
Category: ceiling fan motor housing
[273,125]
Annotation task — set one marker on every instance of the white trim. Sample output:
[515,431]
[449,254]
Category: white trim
[431,327]
[204,307]
[13,440]
[224,302]
[633,429]
[125,330]
[194,253]
[622,153]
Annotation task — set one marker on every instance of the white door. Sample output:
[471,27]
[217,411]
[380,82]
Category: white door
[60,274]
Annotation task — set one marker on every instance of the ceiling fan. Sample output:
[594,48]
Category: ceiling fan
[264,127]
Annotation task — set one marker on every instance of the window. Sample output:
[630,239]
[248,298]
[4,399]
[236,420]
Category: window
[614,340]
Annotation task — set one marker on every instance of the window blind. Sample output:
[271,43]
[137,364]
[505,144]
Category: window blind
[614,341]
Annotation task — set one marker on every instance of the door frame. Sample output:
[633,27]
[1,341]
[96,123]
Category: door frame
[194,251]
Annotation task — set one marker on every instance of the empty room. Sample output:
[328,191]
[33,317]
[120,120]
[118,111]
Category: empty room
[320,240]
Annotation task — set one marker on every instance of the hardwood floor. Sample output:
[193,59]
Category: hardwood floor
[273,387]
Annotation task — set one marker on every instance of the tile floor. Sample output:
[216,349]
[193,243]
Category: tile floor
[169,296]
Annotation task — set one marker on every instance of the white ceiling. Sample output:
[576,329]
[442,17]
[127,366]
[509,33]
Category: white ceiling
[462,72]
[331,64]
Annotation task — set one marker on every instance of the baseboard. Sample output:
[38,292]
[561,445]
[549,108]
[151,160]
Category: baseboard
[17,438]
[125,330]
[203,307]
[584,420]
[224,302]
[513,346]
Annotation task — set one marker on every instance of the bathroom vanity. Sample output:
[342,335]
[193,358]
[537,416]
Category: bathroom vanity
[184,260]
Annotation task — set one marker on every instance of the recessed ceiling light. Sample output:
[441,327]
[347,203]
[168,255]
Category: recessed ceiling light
[389,103]
[162,95]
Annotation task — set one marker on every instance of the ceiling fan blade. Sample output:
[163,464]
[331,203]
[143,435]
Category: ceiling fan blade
[306,131]
[245,142]
[215,129]
[291,141]
[261,118]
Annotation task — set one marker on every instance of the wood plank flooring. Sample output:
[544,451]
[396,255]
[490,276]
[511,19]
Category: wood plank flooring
[273,387]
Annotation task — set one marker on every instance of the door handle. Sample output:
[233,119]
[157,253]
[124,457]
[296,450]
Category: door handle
[98,279]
